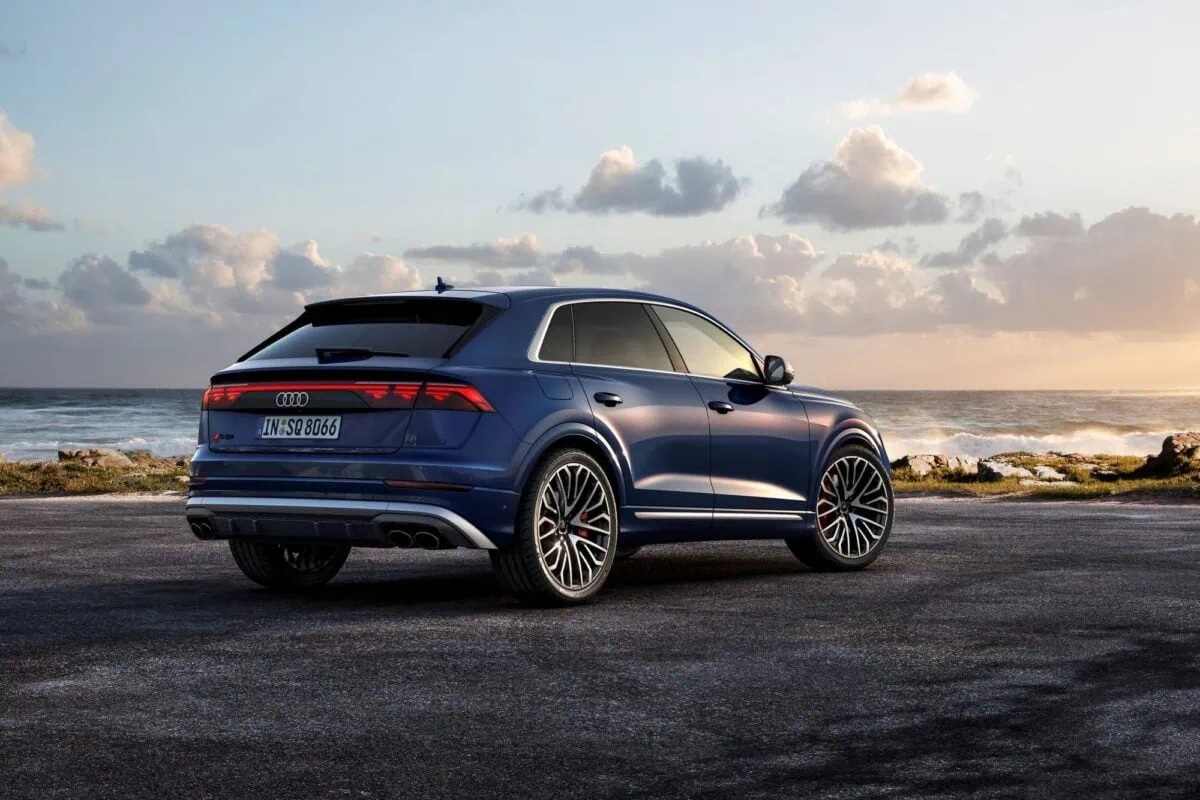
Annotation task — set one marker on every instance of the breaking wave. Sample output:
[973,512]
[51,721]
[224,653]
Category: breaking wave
[1091,441]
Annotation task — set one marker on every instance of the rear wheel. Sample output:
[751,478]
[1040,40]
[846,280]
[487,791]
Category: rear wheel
[288,567]
[566,537]
[855,507]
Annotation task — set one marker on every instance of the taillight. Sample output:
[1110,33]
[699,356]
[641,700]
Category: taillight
[376,395]
[440,396]
[452,397]
[222,396]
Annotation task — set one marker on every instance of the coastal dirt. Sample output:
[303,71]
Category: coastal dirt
[996,649]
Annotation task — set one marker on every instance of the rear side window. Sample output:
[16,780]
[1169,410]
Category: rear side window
[420,328]
[559,342]
[618,335]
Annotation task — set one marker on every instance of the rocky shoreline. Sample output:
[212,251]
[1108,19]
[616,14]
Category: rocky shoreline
[94,471]
[1175,468]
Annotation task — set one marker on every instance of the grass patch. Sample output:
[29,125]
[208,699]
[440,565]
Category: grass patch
[148,474]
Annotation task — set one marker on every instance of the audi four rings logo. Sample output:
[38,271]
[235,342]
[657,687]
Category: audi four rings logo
[291,399]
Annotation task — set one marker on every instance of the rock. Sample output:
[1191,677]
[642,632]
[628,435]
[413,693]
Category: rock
[1044,473]
[1034,482]
[95,457]
[967,465]
[182,479]
[1180,453]
[999,470]
[1106,475]
[920,465]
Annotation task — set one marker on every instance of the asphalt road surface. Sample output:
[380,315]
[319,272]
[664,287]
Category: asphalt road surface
[997,649]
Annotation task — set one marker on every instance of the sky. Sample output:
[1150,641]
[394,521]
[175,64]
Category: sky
[919,195]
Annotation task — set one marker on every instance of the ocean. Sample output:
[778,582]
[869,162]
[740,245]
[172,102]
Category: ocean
[36,423]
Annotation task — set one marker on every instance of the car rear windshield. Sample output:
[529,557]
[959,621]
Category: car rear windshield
[420,328]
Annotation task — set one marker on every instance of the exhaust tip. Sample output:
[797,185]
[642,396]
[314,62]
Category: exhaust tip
[202,530]
[428,540]
[401,538]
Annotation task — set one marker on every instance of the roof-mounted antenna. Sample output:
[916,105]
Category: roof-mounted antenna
[442,285]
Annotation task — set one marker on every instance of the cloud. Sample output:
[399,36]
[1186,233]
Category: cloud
[213,268]
[522,251]
[972,246]
[37,284]
[870,183]
[618,184]
[101,288]
[16,155]
[1050,224]
[372,273]
[29,215]
[933,91]
[301,269]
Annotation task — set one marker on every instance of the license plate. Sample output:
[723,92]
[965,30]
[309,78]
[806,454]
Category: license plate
[300,428]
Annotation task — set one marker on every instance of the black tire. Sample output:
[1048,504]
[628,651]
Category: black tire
[816,550]
[523,569]
[627,552]
[275,566]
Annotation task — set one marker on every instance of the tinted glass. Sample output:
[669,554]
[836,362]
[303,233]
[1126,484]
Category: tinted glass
[559,344]
[421,328]
[618,334]
[706,349]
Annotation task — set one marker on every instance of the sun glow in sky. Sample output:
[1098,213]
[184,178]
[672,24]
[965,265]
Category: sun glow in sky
[932,195]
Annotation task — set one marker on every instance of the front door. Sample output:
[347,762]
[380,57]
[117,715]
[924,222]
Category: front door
[759,434]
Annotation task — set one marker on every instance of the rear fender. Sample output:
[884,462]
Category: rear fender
[561,434]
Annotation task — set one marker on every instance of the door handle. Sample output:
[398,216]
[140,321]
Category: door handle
[720,406]
[608,398]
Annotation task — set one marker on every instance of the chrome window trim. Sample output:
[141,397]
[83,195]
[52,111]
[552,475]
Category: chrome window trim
[540,333]
[354,508]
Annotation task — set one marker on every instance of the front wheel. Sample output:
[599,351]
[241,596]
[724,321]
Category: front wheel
[566,537]
[288,567]
[855,508]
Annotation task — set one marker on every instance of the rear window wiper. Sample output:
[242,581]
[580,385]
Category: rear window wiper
[328,354]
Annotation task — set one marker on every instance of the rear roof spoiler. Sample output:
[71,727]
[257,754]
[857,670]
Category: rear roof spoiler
[498,299]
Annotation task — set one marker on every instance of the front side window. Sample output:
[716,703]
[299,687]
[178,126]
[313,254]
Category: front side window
[618,335]
[706,349]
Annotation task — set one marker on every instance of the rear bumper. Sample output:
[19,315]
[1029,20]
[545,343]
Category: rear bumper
[364,523]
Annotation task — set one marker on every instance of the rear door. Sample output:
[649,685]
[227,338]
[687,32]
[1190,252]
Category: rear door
[644,408]
[341,378]
[760,437]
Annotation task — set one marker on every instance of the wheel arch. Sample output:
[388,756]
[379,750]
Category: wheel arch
[849,431]
[579,436]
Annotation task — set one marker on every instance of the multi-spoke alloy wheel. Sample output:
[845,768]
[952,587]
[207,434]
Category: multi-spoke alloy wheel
[853,506]
[574,526]
[853,514]
[566,537]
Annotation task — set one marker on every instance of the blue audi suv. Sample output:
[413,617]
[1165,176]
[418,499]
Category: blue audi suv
[558,429]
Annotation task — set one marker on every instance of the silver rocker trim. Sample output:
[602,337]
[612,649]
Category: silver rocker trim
[721,514]
[343,508]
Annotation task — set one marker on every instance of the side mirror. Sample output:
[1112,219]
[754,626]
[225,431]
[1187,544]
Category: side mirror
[779,372]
